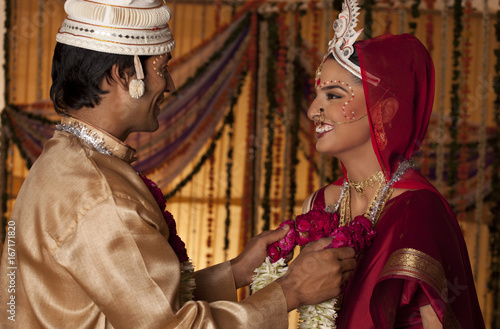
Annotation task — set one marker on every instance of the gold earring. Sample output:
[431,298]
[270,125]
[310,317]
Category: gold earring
[380,135]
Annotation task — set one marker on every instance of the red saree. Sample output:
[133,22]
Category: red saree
[419,256]
[414,260]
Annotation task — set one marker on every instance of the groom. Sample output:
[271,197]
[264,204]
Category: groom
[91,246]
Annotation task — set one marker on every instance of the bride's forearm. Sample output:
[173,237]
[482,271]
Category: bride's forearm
[430,319]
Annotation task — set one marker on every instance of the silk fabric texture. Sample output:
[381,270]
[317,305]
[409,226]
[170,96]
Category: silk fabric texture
[406,73]
[92,252]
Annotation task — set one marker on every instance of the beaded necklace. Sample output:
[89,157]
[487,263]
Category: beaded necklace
[376,205]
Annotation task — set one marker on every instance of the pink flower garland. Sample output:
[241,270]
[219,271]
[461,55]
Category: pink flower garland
[317,224]
[173,239]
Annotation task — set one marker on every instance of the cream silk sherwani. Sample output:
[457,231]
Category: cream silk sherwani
[92,252]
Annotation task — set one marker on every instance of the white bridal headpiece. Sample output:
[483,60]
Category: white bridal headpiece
[125,27]
[342,44]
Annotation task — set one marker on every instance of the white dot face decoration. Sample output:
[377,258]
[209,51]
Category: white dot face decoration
[349,115]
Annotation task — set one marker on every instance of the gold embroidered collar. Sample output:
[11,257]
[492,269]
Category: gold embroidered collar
[100,140]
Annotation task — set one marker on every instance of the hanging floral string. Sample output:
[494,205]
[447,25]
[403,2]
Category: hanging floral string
[40,50]
[277,176]
[237,81]
[271,83]
[327,18]
[441,127]
[229,171]
[494,225]
[4,142]
[463,136]
[429,31]
[298,85]
[218,6]
[415,13]
[210,206]
[429,25]
[481,164]
[313,8]
[455,98]
[11,46]
[281,62]
[315,61]
[248,188]
[288,113]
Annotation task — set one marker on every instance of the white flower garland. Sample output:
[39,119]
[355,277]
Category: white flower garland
[321,316]
[267,273]
[187,284]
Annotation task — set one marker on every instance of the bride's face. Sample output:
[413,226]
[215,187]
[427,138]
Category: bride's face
[344,125]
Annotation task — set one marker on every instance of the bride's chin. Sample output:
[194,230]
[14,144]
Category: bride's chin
[324,149]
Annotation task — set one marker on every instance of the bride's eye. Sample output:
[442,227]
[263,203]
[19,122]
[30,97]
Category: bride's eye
[332,96]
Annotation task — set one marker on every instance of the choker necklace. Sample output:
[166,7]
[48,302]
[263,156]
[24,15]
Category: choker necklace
[370,181]
[382,195]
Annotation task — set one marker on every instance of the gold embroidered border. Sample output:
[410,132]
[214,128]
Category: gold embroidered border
[416,264]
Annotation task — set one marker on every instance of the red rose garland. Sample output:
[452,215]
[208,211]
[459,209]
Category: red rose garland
[317,224]
[173,239]
[312,226]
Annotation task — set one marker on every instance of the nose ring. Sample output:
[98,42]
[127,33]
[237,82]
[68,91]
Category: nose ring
[318,120]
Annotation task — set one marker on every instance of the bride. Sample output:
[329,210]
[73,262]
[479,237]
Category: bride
[373,103]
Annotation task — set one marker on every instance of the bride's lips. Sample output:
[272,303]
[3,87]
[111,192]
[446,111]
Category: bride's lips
[323,130]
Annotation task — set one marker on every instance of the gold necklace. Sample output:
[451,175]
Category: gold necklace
[359,187]
[345,206]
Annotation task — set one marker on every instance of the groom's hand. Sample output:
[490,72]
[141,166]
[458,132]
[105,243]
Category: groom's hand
[317,274]
[253,255]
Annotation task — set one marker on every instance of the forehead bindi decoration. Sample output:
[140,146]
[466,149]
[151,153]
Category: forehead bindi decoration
[338,82]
